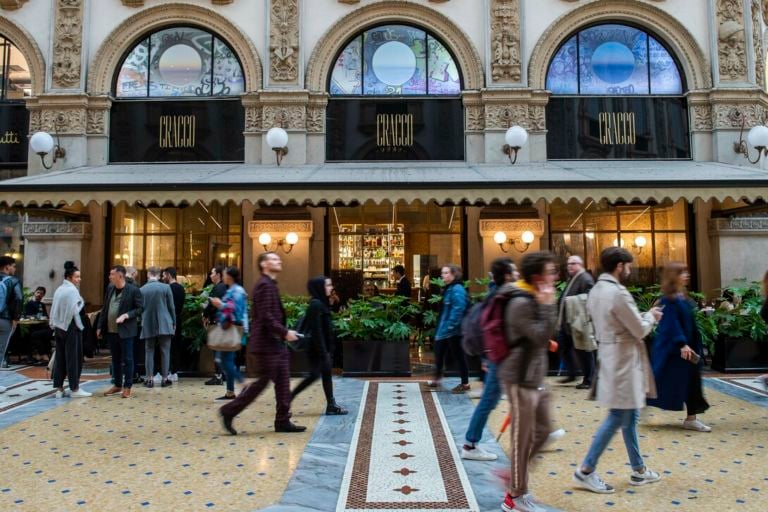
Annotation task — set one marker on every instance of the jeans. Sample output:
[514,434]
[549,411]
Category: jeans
[566,351]
[626,419]
[441,348]
[227,362]
[488,402]
[122,359]
[6,330]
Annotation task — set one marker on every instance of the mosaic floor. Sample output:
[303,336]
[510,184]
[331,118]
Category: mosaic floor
[164,449]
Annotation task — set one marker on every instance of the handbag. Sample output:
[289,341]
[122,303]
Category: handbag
[225,340]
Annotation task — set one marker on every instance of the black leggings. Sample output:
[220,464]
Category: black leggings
[441,348]
[69,357]
[695,403]
[321,368]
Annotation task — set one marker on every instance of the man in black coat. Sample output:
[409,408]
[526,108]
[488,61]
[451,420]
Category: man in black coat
[403,284]
[179,353]
[118,322]
[579,281]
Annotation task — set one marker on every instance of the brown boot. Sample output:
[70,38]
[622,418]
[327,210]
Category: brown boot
[127,393]
[114,390]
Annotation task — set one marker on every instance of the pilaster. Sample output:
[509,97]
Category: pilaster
[65,117]
[284,43]
[67,45]
[288,110]
[503,108]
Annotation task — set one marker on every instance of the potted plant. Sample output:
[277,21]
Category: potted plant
[740,334]
[375,333]
[193,331]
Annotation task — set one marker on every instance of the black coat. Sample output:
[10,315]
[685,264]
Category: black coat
[320,327]
[403,288]
[131,304]
[584,282]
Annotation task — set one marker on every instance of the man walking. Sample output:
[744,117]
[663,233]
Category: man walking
[268,335]
[625,378]
[529,321]
[11,299]
[118,321]
[158,324]
[579,281]
[179,354]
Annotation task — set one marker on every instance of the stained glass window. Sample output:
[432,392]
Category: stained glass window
[395,60]
[613,60]
[15,78]
[180,61]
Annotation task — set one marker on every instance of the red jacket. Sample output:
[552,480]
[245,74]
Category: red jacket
[267,318]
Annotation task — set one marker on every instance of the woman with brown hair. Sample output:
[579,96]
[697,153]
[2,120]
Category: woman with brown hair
[677,347]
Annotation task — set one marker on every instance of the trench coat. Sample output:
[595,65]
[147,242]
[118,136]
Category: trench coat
[625,378]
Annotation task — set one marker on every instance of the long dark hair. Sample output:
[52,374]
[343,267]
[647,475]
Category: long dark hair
[70,269]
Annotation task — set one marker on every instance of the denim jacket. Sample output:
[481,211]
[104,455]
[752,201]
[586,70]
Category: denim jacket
[235,307]
[455,303]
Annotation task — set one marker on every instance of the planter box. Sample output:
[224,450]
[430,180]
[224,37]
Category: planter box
[376,358]
[740,355]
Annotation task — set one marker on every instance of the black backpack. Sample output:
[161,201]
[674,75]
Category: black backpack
[472,330]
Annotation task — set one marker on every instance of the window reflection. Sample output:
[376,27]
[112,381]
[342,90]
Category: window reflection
[15,78]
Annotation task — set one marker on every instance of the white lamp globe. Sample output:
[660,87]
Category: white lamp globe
[500,237]
[527,237]
[758,136]
[292,238]
[265,239]
[516,136]
[640,241]
[277,138]
[41,143]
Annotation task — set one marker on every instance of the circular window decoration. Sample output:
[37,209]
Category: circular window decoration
[394,63]
[181,65]
[613,62]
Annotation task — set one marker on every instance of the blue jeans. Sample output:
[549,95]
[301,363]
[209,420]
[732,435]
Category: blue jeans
[122,359]
[488,402]
[227,362]
[626,420]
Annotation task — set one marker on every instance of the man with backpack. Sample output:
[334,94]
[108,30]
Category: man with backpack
[529,321]
[11,298]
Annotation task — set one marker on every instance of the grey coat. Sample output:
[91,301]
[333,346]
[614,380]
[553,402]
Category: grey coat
[159,316]
[625,378]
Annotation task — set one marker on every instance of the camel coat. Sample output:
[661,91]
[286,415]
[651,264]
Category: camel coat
[625,378]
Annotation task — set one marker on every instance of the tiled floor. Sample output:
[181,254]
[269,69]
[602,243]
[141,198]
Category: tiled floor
[164,449]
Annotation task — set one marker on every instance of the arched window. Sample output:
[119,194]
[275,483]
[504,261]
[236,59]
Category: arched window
[393,60]
[15,79]
[180,61]
[615,60]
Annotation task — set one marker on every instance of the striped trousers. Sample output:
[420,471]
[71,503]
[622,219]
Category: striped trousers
[274,367]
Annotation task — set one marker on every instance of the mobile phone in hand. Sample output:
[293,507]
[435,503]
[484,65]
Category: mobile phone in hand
[695,358]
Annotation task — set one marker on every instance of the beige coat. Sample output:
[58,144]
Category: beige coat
[625,378]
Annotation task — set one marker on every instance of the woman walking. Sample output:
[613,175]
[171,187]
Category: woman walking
[448,334]
[320,329]
[677,348]
[68,329]
[233,310]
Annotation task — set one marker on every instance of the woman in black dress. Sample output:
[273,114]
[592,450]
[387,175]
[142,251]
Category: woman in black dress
[320,330]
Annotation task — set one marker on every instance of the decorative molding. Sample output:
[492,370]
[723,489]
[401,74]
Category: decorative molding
[523,107]
[26,44]
[284,41]
[474,112]
[279,228]
[97,115]
[65,114]
[489,227]
[320,62]
[757,44]
[731,43]
[505,41]
[702,117]
[739,226]
[140,3]
[316,113]
[733,116]
[107,59]
[290,117]
[501,117]
[57,230]
[11,5]
[67,44]
[673,32]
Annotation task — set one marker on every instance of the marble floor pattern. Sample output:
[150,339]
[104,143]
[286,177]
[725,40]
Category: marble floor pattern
[165,449]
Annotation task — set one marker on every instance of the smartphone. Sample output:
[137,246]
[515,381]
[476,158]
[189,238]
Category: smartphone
[299,335]
[695,358]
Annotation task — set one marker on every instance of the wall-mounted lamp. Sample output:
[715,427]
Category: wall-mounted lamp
[42,144]
[277,139]
[757,137]
[291,239]
[526,239]
[516,137]
[639,243]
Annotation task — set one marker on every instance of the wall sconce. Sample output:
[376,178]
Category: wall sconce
[42,144]
[639,243]
[757,137]
[526,238]
[277,139]
[291,239]
[516,137]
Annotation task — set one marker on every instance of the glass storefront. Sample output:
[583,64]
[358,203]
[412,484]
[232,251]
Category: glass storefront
[192,239]
[367,241]
[655,234]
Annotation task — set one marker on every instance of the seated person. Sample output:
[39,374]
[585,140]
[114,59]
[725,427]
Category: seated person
[35,305]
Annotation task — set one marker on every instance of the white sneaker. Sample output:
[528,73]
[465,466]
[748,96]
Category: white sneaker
[62,394]
[524,503]
[696,425]
[476,393]
[592,482]
[477,453]
[157,379]
[3,389]
[80,393]
[503,397]
[554,437]
[644,478]
[174,377]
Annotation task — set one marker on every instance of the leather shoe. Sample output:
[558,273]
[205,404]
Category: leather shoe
[584,385]
[567,380]
[227,422]
[289,427]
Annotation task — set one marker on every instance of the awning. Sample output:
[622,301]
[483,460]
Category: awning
[352,183]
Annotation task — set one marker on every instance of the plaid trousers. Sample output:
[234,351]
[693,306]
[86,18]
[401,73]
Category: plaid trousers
[271,367]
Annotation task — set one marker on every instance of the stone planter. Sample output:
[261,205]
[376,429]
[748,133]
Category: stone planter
[740,355]
[376,358]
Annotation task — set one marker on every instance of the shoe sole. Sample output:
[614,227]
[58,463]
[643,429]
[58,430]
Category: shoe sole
[480,459]
[592,489]
[638,483]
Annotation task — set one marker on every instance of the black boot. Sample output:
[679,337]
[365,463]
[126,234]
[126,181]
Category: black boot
[334,409]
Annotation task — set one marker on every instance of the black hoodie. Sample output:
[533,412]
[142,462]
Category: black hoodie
[319,317]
